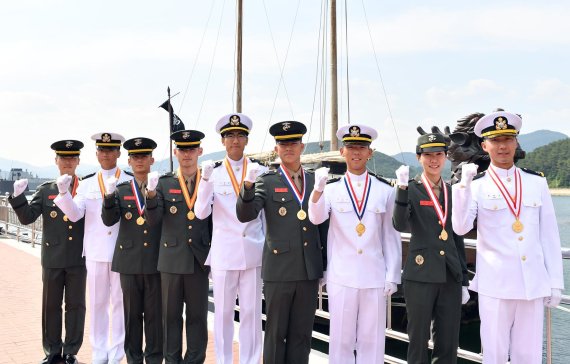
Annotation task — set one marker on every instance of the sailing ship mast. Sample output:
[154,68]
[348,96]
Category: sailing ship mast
[239,54]
[334,87]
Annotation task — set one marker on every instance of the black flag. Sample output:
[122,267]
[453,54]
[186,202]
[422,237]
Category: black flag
[175,122]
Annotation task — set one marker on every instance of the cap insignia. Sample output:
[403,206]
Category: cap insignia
[286,126]
[355,131]
[431,138]
[186,135]
[106,137]
[138,142]
[234,120]
[68,144]
[500,123]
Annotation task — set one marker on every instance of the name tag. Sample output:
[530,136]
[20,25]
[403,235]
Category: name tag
[281,189]
[426,203]
[172,190]
[129,198]
[51,197]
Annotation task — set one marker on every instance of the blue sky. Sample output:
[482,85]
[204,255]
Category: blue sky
[70,69]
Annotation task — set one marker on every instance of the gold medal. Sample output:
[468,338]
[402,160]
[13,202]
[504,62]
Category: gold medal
[360,229]
[65,218]
[140,220]
[190,215]
[518,227]
[301,215]
[128,215]
[443,236]
[53,214]
[173,209]
[282,211]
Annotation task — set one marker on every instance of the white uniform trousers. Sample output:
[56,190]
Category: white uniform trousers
[245,284]
[105,299]
[511,326]
[357,322]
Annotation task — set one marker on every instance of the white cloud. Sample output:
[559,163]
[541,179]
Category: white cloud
[551,90]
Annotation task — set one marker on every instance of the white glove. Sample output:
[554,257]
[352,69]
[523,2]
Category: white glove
[323,281]
[403,175]
[152,181]
[390,288]
[554,299]
[19,187]
[63,183]
[321,176]
[110,185]
[468,171]
[207,169]
[253,170]
[464,295]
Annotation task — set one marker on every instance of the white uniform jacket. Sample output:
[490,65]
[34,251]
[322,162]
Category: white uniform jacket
[99,240]
[235,245]
[510,265]
[366,261]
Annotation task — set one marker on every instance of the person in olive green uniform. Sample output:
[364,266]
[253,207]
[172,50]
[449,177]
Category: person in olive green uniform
[435,268]
[184,247]
[136,255]
[63,266]
[293,254]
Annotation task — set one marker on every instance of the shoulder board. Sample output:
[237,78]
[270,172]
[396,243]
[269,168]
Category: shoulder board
[217,164]
[124,183]
[46,183]
[530,171]
[87,176]
[169,174]
[129,173]
[271,171]
[333,180]
[382,179]
[479,175]
[253,160]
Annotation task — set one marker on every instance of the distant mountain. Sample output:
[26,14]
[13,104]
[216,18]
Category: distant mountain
[553,160]
[539,138]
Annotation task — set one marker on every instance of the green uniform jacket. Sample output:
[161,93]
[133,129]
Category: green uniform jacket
[428,256]
[62,241]
[136,250]
[181,239]
[294,249]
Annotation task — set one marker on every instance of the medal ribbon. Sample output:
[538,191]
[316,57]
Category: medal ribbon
[298,195]
[235,184]
[441,212]
[514,202]
[359,208]
[102,184]
[139,199]
[74,188]
[189,201]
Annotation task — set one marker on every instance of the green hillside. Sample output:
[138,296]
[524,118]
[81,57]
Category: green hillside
[553,160]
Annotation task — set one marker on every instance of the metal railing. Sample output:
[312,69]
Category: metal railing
[32,234]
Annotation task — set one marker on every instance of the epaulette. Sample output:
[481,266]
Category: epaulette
[87,176]
[479,175]
[333,180]
[168,174]
[270,171]
[530,171]
[46,183]
[382,179]
[253,160]
[217,164]
[123,183]
[129,173]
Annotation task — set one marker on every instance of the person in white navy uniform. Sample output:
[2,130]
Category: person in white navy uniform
[519,259]
[235,254]
[364,251]
[105,294]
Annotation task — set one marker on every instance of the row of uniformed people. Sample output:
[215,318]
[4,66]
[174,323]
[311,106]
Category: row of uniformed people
[364,249]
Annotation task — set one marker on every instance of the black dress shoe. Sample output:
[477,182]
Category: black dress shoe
[70,359]
[52,359]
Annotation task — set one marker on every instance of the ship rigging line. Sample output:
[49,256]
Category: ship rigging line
[211,65]
[382,83]
[346,49]
[197,56]
[281,69]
